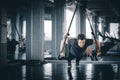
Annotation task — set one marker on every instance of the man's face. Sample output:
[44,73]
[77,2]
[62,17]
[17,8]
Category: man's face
[81,43]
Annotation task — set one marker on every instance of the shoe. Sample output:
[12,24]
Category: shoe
[69,65]
[100,58]
[77,64]
[61,57]
[92,58]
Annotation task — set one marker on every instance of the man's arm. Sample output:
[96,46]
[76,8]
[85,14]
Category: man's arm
[61,48]
[88,50]
[62,45]
[97,47]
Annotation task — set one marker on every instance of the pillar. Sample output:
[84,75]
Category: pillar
[54,40]
[35,31]
[3,37]
[58,25]
[82,20]
[78,20]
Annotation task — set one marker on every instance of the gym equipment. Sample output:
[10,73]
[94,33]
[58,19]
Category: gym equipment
[66,46]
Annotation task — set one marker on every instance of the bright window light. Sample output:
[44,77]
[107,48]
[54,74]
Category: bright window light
[100,29]
[9,31]
[69,15]
[24,29]
[114,29]
[88,29]
[48,29]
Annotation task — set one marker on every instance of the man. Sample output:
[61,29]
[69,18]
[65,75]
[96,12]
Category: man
[106,46]
[12,48]
[78,47]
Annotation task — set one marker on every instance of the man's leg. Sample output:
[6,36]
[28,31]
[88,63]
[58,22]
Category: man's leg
[69,63]
[70,57]
[77,61]
[106,47]
[91,56]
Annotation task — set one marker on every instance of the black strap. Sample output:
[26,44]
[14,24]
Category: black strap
[72,18]
[96,44]
[67,34]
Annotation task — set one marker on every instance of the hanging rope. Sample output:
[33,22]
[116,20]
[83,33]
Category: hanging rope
[21,41]
[97,49]
[67,34]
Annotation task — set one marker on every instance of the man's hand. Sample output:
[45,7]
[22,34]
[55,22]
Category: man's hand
[88,50]
[98,52]
[62,54]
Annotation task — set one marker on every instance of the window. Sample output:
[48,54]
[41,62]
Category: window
[48,30]
[100,29]
[69,15]
[24,29]
[9,31]
[114,29]
[88,29]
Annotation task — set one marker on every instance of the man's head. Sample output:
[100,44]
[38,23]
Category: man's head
[81,40]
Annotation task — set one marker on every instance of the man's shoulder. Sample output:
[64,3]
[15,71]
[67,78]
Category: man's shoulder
[72,41]
[89,39]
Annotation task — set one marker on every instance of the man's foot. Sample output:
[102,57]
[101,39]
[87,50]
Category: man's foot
[77,64]
[96,59]
[69,65]
[61,57]
[100,58]
[92,58]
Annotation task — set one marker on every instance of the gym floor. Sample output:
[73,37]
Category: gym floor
[106,69]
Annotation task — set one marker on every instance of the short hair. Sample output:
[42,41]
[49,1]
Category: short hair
[81,36]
